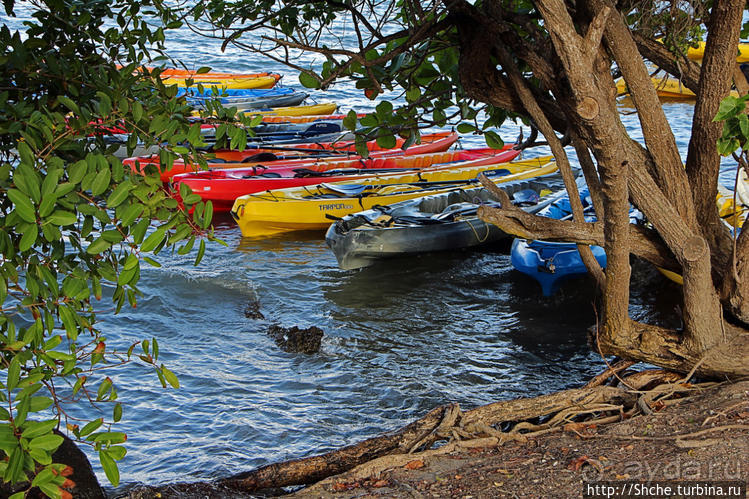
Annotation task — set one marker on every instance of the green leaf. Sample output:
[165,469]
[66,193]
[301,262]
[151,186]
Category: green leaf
[744,125]
[729,107]
[41,456]
[8,439]
[14,470]
[493,140]
[207,215]
[308,81]
[105,104]
[137,111]
[351,120]
[52,490]
[91,427]
[39,403]
[101,181]
[46,442]
[77,171]
[112,437]
[110,467]
[69,103]
[38,428]
[23,205]
[62,217]
[131,214]
[98,246]
[170,377]
[413,94]
[203,70]
[201,252]
[27,155]
[44,476]
[117,412]
[14,374]
[466,128]
[28,238]
[387,141]
[120,194]
[117,452]
[153,240]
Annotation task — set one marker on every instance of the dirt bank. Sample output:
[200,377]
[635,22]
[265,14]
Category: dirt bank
[702,437]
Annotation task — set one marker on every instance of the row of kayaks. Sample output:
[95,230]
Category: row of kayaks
[300,171]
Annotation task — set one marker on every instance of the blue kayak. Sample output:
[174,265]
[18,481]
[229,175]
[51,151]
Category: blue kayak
[551,262]
[210,92]
[548,262]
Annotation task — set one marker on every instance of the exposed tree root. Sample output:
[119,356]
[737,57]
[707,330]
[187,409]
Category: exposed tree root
[491,425]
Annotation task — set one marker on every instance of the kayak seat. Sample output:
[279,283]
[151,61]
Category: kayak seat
[416,220]
[261,156]
[525,197]
[269,175]
[346,189]
[306,172]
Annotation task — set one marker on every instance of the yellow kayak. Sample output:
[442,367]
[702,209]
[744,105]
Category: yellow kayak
[310,110]
[313,207]
[668,88]
[248,82]
[698,52]
[325,108]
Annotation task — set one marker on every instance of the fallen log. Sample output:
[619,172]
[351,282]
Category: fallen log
[312,469]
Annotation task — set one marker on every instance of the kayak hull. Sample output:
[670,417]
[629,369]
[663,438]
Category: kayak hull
[220,83]
[422,225]
[551,263]
[249,103]
[667,88]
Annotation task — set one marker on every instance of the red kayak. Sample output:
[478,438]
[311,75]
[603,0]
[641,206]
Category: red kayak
[436,142]
[222,187]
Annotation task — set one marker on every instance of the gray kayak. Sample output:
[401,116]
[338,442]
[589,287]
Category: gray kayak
[247,103]
[439,222]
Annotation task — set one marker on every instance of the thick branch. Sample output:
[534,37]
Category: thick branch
[669,171]
[560,154]
[686,70]
[514,221]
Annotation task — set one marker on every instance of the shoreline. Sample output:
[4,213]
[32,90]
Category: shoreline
[703,436]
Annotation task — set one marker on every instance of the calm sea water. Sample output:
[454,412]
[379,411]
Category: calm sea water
[400,337]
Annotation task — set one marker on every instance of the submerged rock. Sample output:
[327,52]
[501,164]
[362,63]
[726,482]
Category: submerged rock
[252,310]
[297,340]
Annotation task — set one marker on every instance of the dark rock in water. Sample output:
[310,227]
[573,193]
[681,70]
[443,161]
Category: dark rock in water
[82,482]
[297,340]
[252,311]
